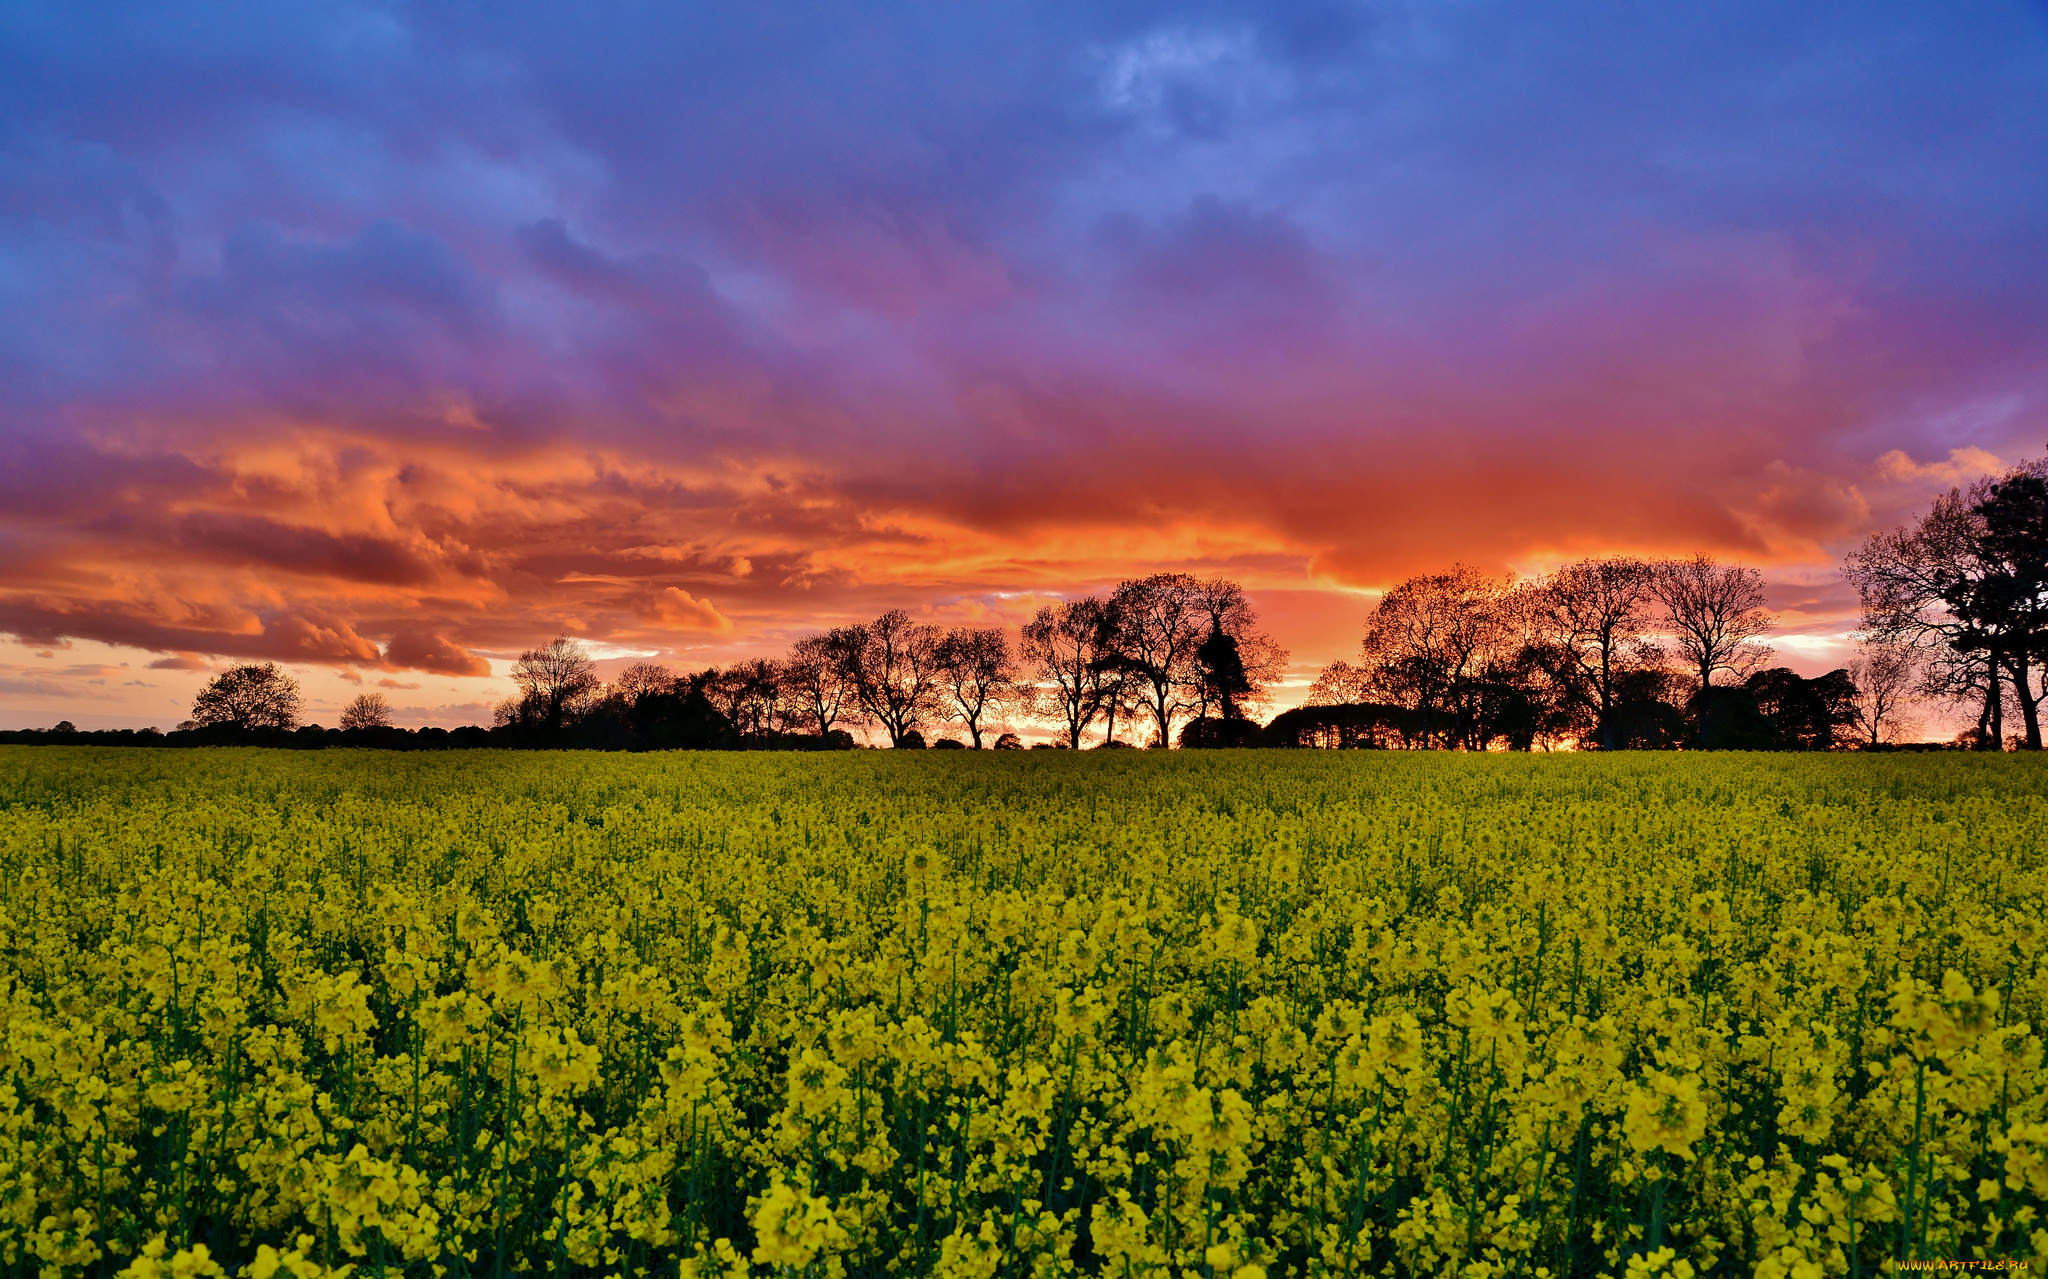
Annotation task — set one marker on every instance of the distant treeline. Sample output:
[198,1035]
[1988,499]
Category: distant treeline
[389,737]
[1607,653]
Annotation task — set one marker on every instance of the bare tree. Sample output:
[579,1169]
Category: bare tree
[1160,623]
[755,697]
[1905,578]
[1885,674]
[1426,645]
[1339,684]
[1070,647]
[555,678]
[246,697]
[643,680]
[1593,614]
[2010,602]
[814,682]
[1714,613]
[978,672]
[368,710]
[891,664]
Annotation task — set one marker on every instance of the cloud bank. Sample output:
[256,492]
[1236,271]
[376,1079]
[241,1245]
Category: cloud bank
[394,338]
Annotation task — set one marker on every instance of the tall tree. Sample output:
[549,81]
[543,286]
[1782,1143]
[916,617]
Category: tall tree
[1222,682]
[1714,613]
[554,678]
[1235,664]
[892,666]
[1426,644]
[1594,614]
[1070,650]
[1161,621]
[814,680]
[2011,599]
[978,672]
[1964,587]
[246,697]
[1164,626]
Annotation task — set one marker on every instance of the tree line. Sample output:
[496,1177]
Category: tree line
[1606,653]
[1616,653]
[1148,660]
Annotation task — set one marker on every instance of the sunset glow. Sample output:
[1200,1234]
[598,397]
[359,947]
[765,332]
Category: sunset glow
[386,341]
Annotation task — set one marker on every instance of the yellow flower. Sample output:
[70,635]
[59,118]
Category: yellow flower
[1667,1115]
[792,1227]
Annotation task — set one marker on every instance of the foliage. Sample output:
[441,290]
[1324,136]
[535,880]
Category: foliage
[1217,1015]
[243,698]
[1966,587]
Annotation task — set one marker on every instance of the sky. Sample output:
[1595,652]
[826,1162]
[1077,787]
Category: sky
[387,340]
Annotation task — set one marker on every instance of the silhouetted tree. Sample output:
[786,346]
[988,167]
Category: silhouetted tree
[1235,664]
[1967,588]
[814,680]
[1426,644]
[1593,614]
[1339,684]
[1221,679]
[754,691]
[978,673]
[643,680]
[1714,613]
[248,697]
[1647,711]
[2010,601]
[1123,701]
[1160,621]
[892,666]
[367,711]
[1808,714]
[1726,717]
[1885,675]
[1188,645]
[1070,653]
[553,679]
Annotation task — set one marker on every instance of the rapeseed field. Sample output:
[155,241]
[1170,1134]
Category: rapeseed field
[1226,1014]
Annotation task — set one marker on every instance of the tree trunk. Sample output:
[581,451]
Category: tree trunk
[1164,717]
[2030,709]
[1606,726]
[1991,726]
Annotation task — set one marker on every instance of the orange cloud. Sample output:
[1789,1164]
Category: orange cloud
[427,651]
[677,608]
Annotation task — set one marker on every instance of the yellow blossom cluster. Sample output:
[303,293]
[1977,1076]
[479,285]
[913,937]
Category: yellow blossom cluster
[1217,1015]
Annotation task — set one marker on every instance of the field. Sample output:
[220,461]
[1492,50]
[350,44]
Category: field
[1210,1014]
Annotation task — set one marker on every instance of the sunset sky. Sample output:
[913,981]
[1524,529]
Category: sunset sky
[387,340]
